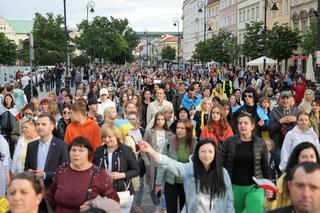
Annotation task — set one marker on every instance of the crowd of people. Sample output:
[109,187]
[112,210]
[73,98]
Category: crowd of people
[198,139]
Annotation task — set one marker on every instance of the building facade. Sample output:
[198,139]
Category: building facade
[228,15]
[280,16]
[16,30]
[302,13]
[213,17]
[193,26]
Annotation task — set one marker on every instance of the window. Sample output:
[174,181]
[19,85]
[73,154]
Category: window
[304,25]
[287,6]
[229,21]
[257,11]
[240,16]
[280,8]
[244,16]
[252,13]
[295,25]
[248,14]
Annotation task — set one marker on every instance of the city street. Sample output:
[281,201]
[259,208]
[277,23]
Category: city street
[146,201]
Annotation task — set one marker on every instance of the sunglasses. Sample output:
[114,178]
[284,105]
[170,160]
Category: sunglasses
[248,96]
[66,112]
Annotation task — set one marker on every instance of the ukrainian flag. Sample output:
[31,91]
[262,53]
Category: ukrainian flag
[124,125]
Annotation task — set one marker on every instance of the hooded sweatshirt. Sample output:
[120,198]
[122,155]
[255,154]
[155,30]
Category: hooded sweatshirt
[294,138]
[89,129]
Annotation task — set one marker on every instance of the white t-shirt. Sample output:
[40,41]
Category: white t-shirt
[109,169]
[25,80]
[161,139]
[102,106]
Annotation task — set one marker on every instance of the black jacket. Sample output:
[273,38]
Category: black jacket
[61,128]
[277,131]
[57,154]
[260,154]
[123,160]
[287,209]
[27,91]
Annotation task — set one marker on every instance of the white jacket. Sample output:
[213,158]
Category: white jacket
[5,153]
[294,138]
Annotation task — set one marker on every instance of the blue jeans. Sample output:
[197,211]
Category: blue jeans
[139,194]
[58,86]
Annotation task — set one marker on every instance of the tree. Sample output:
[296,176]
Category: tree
[222,47]
[80,60]
[168,53]
[109,39]
[308,43]
[8,53]
[281,41]
[49,40]
[253,44]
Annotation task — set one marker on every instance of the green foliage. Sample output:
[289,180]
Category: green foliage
[8,53]
[253,44]
[80,60]
[222,47]
[49,41]
[168,53]
[112,40]
[308,43]
[281,41]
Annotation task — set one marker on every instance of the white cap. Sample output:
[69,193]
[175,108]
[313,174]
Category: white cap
[104,91]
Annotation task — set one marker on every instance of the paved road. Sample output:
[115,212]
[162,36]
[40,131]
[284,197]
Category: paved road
[146,202]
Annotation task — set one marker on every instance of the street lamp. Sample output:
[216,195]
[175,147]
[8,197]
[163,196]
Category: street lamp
[146,35]
[202,7]
[317,53]
[65,35]
[210,24]
[90,7]
[176,23]
[273,8]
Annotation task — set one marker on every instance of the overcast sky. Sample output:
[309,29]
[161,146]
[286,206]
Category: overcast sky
[151,15]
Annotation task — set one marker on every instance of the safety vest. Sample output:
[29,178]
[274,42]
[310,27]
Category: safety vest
[230,86]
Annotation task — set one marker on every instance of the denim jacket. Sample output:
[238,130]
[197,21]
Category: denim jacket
[186,172]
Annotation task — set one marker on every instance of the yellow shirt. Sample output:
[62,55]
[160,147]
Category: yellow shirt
[282,198]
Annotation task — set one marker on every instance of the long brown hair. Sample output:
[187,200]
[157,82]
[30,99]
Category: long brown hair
[165,126]
[222,123]
[189,129]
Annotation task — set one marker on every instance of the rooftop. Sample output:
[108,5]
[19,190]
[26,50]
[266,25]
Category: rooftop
[21,26]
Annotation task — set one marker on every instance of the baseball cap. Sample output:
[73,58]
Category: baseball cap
[285,94]
[104,91]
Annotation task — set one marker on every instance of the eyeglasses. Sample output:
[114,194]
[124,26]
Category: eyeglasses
[66,112]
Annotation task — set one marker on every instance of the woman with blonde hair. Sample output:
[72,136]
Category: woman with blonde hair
[28,128]
[118,160]
[201,117]
[110,114]
[54,111]
[217,127]
[306,101]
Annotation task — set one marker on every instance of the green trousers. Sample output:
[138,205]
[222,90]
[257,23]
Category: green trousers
[248,199]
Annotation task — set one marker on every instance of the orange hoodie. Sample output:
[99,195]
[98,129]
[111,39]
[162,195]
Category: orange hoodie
[89,129]
[206,134]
